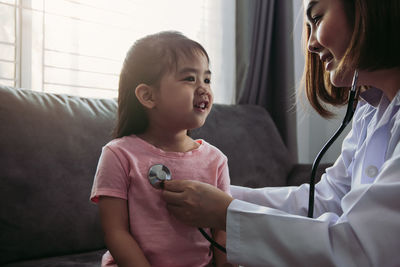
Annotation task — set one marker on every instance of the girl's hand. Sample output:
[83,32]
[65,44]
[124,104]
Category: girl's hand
[196,203]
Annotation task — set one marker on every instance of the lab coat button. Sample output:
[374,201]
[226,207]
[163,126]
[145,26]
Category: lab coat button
[371,171]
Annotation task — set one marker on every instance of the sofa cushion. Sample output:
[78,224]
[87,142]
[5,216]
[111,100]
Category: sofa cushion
[87,259]
[49,148]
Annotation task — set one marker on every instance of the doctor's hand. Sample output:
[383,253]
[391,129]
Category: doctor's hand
[196,203]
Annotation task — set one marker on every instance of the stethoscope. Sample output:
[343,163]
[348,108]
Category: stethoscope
[159,173]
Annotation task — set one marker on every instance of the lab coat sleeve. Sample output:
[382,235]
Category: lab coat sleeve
[365,234]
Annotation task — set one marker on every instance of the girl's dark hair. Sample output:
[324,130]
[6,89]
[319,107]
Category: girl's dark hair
[374,45]
[146,62]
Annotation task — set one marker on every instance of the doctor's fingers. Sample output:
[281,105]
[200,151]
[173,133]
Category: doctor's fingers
[180,185]
[189,199]
[186,215]
[173,198]
[174,185]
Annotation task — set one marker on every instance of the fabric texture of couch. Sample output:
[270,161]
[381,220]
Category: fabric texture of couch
[49,148]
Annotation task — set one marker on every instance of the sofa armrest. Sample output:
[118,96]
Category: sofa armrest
[301,173]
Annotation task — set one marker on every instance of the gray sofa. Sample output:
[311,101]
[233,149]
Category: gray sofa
[49,148]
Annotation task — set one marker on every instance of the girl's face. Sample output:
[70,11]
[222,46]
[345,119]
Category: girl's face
[330,35]
[184,97]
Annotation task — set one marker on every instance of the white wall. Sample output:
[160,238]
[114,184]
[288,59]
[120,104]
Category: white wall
[312,130]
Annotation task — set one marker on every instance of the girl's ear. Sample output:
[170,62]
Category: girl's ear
[145,95]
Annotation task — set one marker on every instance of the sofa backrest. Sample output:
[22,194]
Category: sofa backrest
[49,148]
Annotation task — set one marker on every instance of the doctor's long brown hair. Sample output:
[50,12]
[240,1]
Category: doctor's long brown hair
[146,62]
[374,45]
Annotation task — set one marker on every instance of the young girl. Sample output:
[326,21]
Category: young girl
[164,91]
[357,202]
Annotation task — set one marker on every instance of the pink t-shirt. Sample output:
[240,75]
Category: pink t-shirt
[122,172]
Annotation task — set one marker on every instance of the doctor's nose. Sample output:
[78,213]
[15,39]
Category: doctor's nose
[313,46]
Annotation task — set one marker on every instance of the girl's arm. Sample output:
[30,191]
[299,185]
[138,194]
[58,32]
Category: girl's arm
[115,223]
[220,257]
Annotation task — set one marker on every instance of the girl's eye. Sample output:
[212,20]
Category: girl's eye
[189,79]
[207,81]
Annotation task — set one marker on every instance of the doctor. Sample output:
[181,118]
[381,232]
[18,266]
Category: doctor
[357,202]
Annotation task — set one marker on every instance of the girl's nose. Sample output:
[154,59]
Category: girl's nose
[201,90]
[204,91]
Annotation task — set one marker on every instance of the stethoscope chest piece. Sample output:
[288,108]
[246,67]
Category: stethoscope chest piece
[158,174]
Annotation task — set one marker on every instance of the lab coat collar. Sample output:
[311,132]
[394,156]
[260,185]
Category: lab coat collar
[373,96]
[384,108]
[396,99]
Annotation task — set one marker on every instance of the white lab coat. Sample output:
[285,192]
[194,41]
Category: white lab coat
[357,204]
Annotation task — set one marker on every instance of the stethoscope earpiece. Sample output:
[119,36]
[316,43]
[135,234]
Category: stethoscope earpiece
[159,173]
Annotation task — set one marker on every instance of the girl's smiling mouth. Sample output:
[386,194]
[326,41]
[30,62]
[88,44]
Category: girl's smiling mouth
[202,105]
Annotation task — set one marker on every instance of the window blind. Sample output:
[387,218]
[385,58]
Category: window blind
[77,46]
[8,43]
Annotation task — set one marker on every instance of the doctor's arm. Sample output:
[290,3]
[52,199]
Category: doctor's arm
[115,224]
[362,236]
[203,205]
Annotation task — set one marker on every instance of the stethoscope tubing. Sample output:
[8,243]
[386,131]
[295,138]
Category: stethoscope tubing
[212,241]
[351,107]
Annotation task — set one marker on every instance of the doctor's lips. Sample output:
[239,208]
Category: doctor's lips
[326,59]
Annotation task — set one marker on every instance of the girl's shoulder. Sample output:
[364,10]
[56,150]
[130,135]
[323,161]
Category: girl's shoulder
[125,143]
[122,141]
[208,148]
